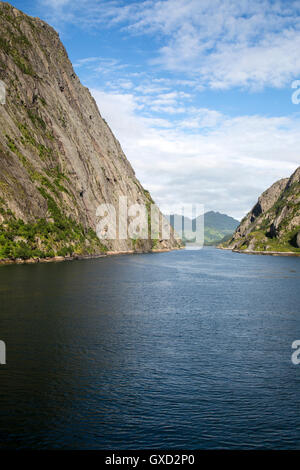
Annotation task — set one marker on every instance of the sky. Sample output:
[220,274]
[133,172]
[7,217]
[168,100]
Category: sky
[202,94]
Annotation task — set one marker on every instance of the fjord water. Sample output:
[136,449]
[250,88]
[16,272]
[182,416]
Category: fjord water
[188,349]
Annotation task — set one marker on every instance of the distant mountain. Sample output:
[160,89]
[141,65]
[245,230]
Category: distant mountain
[274,222]
[217,226]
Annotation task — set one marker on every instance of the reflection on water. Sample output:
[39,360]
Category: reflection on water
[171,350]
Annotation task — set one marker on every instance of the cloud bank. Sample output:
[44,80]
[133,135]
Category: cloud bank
[222,43]
[224,163]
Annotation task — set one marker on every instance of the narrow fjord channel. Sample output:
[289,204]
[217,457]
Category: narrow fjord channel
[188,349]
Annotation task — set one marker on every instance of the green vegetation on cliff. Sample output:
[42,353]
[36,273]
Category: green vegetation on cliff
[59,160]
[60,236]
[274,222]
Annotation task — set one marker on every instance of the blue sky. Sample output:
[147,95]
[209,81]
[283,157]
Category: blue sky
[197,91]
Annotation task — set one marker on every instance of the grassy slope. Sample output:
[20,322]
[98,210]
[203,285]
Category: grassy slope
[285,239]
[60,236]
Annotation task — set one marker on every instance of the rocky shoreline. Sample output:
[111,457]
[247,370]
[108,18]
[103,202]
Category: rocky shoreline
[59,259]
[264,253]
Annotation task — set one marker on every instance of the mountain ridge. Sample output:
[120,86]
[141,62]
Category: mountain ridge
[217,226]
[273,224]
[59,158]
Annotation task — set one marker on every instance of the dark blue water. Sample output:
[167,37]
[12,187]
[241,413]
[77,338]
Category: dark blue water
[189,349]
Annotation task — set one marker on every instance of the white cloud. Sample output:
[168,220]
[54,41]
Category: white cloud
[100,65]
[228,43]
[56,3]
[201,118]
[224,43]
[226,168]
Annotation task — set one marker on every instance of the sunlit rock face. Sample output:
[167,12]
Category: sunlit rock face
[274,222]
[59,158]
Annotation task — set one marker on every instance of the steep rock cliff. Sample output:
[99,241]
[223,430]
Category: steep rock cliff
[58,158]
[274,222]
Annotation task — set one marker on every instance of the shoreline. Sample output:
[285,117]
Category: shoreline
[60,259]
[262,253]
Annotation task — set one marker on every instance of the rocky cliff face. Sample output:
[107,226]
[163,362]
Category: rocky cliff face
[59,158]
[274,222]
